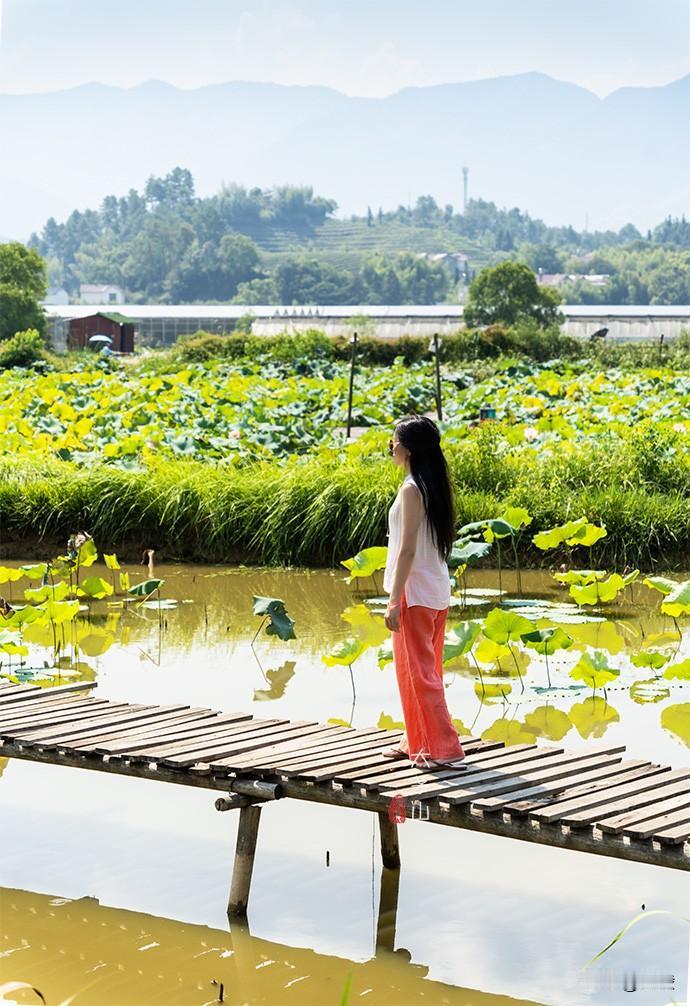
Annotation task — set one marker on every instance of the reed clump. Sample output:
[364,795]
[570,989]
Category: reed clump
[323,507]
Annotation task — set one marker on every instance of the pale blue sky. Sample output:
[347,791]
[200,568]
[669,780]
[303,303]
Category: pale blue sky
[364,47]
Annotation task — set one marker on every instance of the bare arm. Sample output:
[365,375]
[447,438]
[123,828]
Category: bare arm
[410,517]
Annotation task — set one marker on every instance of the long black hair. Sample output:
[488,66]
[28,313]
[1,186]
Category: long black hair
[429,468]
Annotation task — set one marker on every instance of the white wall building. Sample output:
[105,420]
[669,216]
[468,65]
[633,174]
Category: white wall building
[101,294]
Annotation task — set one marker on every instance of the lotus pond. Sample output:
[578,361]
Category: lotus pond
[230,412]
[114,890]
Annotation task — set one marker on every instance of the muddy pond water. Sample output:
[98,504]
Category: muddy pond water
[113,890]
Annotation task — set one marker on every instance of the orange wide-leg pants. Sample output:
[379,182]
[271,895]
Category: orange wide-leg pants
[418,657]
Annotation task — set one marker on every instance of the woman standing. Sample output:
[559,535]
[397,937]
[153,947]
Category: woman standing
[421,525]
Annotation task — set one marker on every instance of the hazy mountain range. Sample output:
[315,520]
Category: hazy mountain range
[551,148]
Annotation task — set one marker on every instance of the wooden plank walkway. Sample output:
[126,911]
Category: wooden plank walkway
[591,799]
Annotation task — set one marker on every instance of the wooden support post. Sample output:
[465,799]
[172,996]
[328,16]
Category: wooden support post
[257,788]
[236,802]
[244,860]
[390,853]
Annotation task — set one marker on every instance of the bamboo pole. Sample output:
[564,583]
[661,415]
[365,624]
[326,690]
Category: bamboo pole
[244,861]
[390,852]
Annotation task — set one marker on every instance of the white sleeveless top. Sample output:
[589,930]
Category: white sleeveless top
[428,582]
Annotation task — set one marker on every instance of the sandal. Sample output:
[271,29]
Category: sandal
[395,753]
[455,763]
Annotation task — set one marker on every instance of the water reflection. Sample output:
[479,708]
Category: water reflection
[492,914]
[91,955]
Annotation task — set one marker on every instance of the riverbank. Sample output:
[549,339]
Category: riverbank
[314,511]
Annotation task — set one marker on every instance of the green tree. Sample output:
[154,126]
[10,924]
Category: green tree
[509,293]
[24,268]
[213,271]
[23,283]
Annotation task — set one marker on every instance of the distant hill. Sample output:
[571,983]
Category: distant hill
[553,148]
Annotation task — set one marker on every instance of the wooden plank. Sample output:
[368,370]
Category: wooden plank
[32,690]
[320,735]
[194,717]
[294,761]
[330,766]
[673,836]
[471,769]
[507,780]
[156,722]
[394,772]
[159,752]
[330,773]
[127,744]
[582,811]
[17,690]
[53,714]
[32,724]
[669,818]
[248,742]
[14,709]
[259,757]
[629,821]
[523,801]
[327,754]
[51,736]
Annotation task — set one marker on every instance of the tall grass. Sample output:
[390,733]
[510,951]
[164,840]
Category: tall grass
[319,509]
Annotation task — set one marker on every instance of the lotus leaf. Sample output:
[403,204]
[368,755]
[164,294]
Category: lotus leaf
[366,562]
[280,624]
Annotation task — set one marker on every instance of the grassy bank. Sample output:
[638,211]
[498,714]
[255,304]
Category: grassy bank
[320,509]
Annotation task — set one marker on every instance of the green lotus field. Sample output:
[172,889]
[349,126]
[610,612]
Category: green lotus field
[248,458]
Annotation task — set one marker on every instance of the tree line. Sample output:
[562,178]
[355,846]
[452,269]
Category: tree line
[166,244]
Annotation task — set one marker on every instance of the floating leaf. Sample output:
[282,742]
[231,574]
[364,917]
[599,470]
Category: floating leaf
[386,722]
[35,571]
[575,532]
[366,562]
[517,517]
[680,670]
[487,692]
[61,611]
[370,628]
[460,640]
[280,624]
[488,651]
[593,668]
[466,553]
[384,654]
[598,591]
[580,576]
[10,575]
[145,588]
[676,719]
[502,626]
[86,553]
[344,653]
[677,603]
[96,587]
[47,592]
[650,658]
[547,641]
[660,583]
